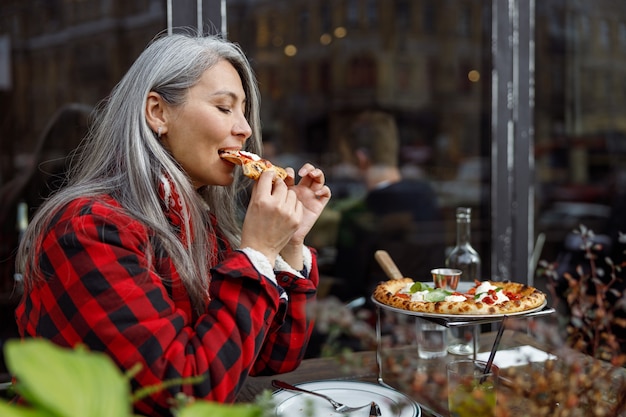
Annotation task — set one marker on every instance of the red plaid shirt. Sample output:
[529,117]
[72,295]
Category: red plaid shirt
[102,289]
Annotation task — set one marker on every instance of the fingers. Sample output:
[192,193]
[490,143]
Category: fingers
[309,171]
[311,184]
[268,181]
[274,213]
[323,193]
[311,177]
[291,175]
[314,179]
[277,189]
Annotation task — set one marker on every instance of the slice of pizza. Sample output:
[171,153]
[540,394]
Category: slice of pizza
[252,164]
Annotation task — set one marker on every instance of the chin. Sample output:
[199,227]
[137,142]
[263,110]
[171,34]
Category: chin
[220,182]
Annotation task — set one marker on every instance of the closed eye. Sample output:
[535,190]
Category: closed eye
[226,110]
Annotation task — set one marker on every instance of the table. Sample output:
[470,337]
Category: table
[335,369]
[429,374]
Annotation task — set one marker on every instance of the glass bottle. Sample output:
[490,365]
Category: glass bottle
[22,220]
[21,225]
[464,257]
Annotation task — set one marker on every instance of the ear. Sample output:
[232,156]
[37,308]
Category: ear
[156,113]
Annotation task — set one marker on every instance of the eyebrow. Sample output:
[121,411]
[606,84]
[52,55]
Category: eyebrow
[228,93]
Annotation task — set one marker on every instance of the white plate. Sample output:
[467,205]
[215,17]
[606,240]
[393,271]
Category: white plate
[352,393]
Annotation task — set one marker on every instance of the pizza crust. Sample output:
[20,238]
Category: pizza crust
[254,169]
[529,298]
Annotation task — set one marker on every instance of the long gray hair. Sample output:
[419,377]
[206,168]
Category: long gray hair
[123,157]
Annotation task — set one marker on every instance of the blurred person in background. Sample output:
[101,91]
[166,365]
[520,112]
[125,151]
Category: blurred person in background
[142,255]
[397,214]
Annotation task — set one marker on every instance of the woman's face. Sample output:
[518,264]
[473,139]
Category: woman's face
[212,118]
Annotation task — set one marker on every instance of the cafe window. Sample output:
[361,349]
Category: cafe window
[263,32]
[324,77]
[326,17]
[622,35]
[560,85]
[402,13]
[304,19]
[464,25]
[373,13]
[352,13]
[305,78]
[275,87]
[604,34]
[429,17]
[403,76]
[361,72]
[584,24]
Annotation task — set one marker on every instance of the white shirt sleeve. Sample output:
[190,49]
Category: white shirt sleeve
[261,263]
[281,265]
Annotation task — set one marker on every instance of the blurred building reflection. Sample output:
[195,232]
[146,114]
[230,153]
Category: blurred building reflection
[64,52]
[320,62]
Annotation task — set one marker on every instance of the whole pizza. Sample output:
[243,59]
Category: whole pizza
[484,298]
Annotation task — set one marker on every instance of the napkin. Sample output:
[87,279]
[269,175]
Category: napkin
[518,356]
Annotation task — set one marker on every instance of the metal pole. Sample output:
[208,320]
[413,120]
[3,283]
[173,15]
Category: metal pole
[169,17]
[223,18]
[199,16]
[512,139]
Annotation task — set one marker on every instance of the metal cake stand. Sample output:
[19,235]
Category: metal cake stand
[450,321]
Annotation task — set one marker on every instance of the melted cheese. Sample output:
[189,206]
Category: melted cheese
[483,289]
[455,298]
[416,296]
[250,155]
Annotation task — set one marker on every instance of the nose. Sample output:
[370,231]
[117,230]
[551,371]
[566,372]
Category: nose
[242,128]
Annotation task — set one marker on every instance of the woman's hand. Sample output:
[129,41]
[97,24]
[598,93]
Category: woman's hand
[313,194]
[274,215]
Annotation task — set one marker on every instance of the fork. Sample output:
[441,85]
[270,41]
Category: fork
[339,407]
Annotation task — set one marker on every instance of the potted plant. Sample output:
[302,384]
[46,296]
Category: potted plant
[62,382]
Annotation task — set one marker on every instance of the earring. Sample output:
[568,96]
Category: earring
[159,132]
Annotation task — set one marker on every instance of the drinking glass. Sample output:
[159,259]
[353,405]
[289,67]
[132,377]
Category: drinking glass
[431,339]
[471,391]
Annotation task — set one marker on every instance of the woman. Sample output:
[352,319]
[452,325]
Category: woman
[142,255]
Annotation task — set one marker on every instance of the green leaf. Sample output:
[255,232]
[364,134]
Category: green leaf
[418,286]
[207,408]
[66,382]
[7,410]
[436,295]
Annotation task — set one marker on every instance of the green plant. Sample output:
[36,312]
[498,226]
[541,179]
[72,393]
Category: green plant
[60,382]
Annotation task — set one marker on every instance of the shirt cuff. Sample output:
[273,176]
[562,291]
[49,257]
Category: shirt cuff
[261,263]
[282,266]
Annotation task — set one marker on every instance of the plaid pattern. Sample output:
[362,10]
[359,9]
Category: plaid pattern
[107,285]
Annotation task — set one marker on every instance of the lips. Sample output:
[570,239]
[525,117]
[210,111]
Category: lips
[231,156]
